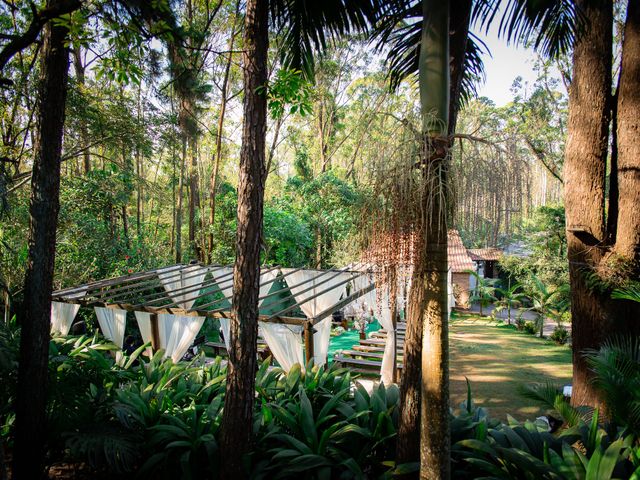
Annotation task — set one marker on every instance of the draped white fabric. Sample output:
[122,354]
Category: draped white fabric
[112,323]
[176,333]
[308,285]
[144,325]
[452,298]
[266,282]
[321,339]
[62,315]
[224,279]
[285,342]
[384,316]
[187,281]
[225,323]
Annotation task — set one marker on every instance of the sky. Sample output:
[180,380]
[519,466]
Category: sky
[503,66]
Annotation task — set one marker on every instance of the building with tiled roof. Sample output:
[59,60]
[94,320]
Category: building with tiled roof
[460,263]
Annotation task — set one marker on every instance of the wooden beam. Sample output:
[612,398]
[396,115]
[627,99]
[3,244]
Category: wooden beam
[155,332]
[308,341]
[342,303]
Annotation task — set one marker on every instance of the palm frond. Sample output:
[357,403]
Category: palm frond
[550,25]
[308,26]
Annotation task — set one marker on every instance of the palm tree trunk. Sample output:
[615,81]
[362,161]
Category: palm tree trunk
[435,84]
[31,401]
[584,174]
[235,438]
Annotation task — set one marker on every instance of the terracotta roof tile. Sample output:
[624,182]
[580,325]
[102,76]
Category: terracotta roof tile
[490,254]
[459,259]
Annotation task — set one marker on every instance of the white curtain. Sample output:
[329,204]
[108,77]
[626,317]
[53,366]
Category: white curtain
[112,323]
[384,315]
[452,298]
[285,343]
[315,282]
[144,325]
[62,315]
[187,280]
[225,323]
[224,279]
[267,276]
[177,333]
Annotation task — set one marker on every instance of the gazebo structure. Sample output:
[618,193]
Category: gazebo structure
[171,304]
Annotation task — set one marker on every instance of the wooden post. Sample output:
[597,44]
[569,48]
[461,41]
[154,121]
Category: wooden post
[155,333]
[308,340]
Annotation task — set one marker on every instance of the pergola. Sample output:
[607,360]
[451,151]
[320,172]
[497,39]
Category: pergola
[181,291]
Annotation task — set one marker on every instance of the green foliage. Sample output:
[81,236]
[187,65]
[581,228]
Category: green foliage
[616,369]
[560,335]
[288,89]
[485,290]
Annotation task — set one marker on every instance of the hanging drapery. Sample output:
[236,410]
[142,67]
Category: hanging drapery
[224,279]
[383,314]
[144,325]
[452,298]
[308,285]
[285,343]
[225,324]
[112,323]
[187,281]
[266,282]
[62,315]
[176,333]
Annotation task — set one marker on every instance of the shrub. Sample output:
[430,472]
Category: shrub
[530,327]
[560,335]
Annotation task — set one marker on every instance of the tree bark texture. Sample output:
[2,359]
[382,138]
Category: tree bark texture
[628,136]
[584,177]
[31,401]
[238,409]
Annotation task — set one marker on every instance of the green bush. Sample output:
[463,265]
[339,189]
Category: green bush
[530,327]
[560,335]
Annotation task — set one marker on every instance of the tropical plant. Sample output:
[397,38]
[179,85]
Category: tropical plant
[509,298]
[546,302]
[560,335]
[631,292]
[485,290]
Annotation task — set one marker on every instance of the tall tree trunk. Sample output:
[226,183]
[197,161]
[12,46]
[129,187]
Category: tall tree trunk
[218,157]
[84,132]
[31,401]
[628,135]
[178,221]
[238,406]
[194,197]
[584,177]
[435,92]
[428,300]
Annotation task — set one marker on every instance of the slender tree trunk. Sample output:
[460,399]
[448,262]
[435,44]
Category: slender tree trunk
[236,433]
[84,132]
[435,85]
[194,197]
[31,401]
[584,176]
[218,157]
[179,206]
[428,299]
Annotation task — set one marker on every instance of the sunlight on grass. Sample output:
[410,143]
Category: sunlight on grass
[497,359]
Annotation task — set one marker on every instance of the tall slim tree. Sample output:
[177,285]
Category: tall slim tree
[303,28]
[239,398]
[44,205]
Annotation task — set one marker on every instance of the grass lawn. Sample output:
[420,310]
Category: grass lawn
[497,359]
